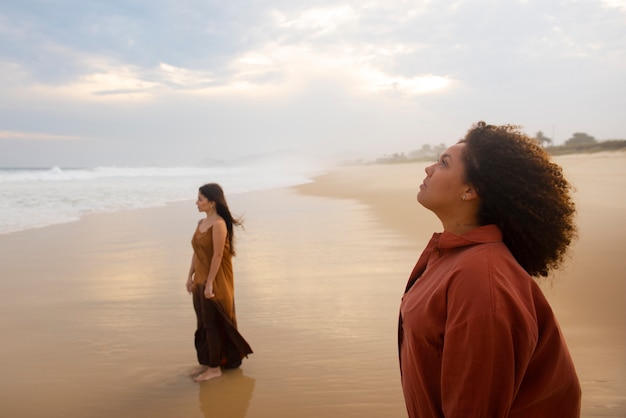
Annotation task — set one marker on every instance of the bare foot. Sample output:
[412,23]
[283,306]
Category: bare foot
[210,373]
[198,370]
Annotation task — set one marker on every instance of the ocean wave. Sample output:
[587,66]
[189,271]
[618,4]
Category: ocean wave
[70,174]
[33,198]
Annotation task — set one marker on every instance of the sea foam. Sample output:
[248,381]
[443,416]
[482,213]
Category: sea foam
[32,198]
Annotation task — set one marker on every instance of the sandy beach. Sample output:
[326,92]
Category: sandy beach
[95,320]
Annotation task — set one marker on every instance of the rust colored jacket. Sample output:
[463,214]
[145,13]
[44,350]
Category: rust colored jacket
[477,338]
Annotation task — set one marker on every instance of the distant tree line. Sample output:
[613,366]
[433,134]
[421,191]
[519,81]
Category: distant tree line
[426,153]
[579,142]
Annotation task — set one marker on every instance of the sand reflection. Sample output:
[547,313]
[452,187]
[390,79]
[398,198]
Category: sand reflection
[228,396]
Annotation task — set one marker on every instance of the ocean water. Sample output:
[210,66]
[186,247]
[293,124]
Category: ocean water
[34,198]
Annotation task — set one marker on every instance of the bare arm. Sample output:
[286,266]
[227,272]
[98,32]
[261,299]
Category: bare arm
[219,241]
[192,270]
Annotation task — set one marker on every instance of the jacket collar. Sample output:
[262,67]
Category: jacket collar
[480,235]
[447,240]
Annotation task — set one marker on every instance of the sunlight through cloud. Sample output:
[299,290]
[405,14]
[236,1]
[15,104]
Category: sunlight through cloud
[377,81]
[113,83]
[321,20]
[183,77]
[356,68]
[618,4]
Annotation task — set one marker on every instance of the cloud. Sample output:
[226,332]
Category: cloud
[181,77]
[618,4]
[285,61]
[368,48]
[377,81]
[121,82]
[126,75]
[37,136]
[319,21]
[275,69]
[358,68]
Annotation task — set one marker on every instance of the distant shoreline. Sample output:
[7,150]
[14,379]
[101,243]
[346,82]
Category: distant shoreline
[617,145]
[610,146]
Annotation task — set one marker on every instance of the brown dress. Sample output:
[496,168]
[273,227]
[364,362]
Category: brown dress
[224,283]
[217,322]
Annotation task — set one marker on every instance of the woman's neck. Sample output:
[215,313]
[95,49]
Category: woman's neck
[211,214]
[460,228]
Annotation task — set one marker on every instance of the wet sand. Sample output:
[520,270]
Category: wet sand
[95,320]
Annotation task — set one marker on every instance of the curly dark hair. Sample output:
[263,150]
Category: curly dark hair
[522,192]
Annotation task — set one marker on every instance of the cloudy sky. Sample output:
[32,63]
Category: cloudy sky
[171,82]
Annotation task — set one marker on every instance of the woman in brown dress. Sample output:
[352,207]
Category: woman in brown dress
[210,281]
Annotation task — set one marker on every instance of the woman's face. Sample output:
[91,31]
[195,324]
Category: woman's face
[444,186]
[202,203]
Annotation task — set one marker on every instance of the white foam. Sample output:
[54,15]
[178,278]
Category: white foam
[32,198]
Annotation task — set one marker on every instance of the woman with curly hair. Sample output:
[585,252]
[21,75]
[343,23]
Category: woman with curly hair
[477,337]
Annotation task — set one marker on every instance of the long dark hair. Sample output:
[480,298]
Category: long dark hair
[522,192]
[214,193]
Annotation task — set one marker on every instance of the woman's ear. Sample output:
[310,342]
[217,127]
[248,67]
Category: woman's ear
[470,193]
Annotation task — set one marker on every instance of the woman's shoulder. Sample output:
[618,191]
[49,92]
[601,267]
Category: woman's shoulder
[219,225]
[489,273]
[218,220]
[480,267]
[476,258]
